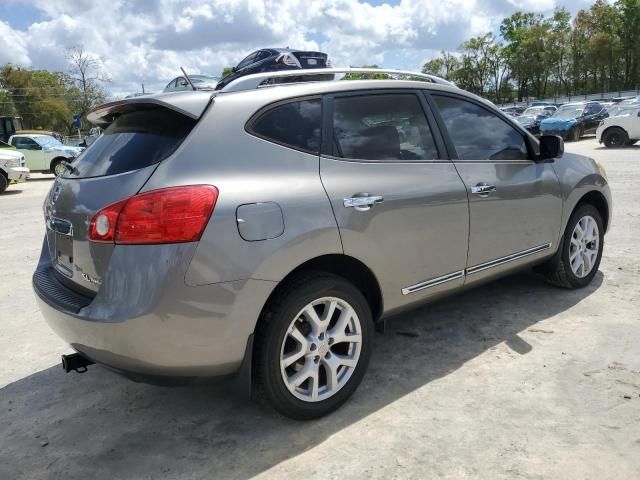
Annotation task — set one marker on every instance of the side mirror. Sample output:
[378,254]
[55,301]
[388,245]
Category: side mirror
[551,146]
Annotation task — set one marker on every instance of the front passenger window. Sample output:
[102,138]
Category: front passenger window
[479,134]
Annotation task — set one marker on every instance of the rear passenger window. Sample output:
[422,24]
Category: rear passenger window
[382,127]
[478,134]
[294,124]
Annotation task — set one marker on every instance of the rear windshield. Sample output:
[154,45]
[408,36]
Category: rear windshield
[134,140]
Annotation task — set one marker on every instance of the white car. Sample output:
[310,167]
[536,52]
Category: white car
[44,153]
[12,168]
[621,129]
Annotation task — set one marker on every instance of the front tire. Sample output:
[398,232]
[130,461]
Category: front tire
[313,346]
[57,168]
[615,138]
[575,134]
[578,259]
[4,182]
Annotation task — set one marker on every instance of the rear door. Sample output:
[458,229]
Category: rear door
[113,168]
[515,204]
[400,205]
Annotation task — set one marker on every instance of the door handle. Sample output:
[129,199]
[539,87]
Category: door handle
[362,201]
[483,189]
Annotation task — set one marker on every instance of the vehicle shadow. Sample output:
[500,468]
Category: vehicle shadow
[11,191]
[98,425]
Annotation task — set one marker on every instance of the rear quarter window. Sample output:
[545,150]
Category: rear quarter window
[294,124]
[133,141]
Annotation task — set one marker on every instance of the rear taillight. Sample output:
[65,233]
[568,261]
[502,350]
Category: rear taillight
[168,215]
[288,59]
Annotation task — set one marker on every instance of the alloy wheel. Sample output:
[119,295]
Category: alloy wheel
[584,247]
[321,349]
[58,169]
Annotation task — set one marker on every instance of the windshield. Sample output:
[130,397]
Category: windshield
[48,141]
[533,111]
[567,113]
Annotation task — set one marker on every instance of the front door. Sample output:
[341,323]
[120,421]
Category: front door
[400,206]
[515,204]
[32,151]
[593,115]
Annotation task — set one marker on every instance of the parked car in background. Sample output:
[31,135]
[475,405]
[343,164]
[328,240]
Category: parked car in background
[620,129]
[12,167]
[546,110]
[277,59]
[9,125]
[167,264]
[44,153]
[573,120]
[541,103]
[513,110]
[531,121]
[201,82]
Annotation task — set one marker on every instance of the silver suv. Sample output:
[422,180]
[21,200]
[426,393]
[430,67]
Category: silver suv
[265,230]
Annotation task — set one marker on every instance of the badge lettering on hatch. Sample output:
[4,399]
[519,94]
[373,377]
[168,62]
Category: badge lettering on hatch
[90,279]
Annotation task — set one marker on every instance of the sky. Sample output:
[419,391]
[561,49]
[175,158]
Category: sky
[147,41]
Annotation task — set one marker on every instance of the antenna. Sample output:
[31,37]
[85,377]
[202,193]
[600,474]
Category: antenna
[188,79]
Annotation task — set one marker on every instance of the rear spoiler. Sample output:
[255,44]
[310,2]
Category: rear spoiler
[190,104]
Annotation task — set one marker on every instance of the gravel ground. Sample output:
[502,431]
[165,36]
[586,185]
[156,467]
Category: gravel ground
[515,379]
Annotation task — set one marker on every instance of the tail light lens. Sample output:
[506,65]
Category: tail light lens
[168,215]
[288,59]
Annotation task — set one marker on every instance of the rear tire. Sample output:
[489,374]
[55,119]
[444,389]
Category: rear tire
[582,244]
[307,364]
[4,182]
[615,138]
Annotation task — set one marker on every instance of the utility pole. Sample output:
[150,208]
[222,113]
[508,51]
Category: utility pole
[142,87]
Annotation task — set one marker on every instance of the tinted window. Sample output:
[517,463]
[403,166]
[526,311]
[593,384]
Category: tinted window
[24,142]
[478,134]
[382,127]
[294,124]
[248,60]
[134,140]
[593,109]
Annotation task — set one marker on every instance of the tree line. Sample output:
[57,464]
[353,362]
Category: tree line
[50,100]
[598,50]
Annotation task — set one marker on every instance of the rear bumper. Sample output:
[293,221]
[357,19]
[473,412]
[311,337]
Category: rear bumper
[156,325]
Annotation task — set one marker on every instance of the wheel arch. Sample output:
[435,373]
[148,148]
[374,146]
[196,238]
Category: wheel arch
[612,127]
[599,201]
[346,267]
[56,159]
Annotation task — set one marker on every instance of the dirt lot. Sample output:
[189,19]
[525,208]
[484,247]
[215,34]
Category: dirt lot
[515,379]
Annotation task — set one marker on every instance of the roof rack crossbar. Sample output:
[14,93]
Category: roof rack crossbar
[254,81]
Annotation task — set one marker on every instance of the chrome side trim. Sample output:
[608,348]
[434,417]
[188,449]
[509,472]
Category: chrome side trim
[475,269]
[432,282]
[508,258]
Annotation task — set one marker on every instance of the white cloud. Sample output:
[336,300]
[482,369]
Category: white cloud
[147,41]
[14,49]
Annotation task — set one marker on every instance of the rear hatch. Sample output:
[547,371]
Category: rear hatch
[311,59]
[138,136]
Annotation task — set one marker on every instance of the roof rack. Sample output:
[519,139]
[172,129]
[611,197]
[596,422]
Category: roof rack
[257,80]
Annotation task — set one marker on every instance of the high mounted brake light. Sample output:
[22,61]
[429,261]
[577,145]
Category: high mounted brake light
[167,215]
